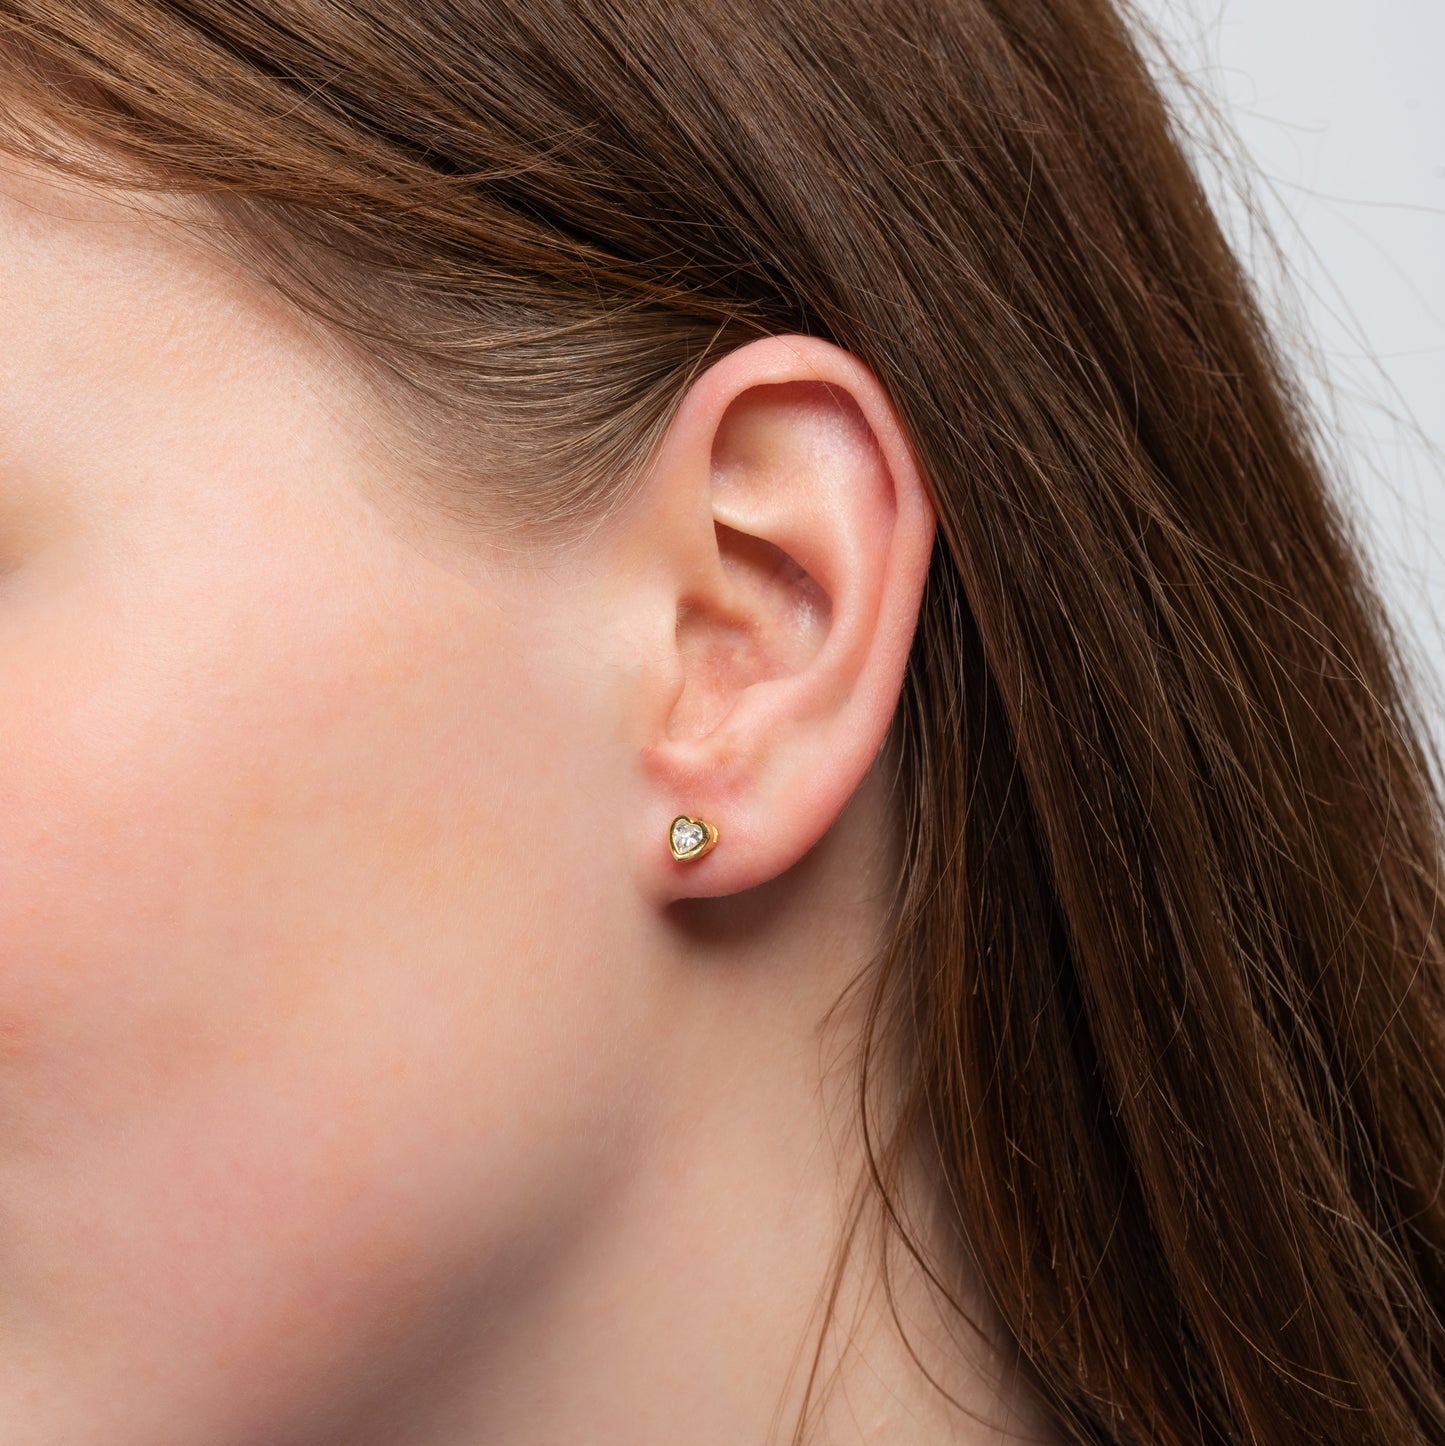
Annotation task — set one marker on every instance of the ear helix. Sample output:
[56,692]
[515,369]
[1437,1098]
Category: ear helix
[690,838]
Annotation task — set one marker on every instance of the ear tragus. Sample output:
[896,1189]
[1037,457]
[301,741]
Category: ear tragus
[772,622]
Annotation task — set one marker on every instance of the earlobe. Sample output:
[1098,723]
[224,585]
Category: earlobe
[791,529]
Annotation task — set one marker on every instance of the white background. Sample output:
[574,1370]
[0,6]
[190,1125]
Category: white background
[1335,113]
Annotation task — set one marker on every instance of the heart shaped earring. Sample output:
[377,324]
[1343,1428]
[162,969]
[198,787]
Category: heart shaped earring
[690,838]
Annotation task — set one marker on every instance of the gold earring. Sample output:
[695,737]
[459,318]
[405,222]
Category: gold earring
[690,838]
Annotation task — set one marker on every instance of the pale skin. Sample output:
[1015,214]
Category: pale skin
[369,1070]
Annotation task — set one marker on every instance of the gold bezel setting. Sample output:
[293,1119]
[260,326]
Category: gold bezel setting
[684,829]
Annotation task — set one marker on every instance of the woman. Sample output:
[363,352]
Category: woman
[691,752]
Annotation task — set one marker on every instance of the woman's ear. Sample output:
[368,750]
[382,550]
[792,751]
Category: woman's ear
[786,535]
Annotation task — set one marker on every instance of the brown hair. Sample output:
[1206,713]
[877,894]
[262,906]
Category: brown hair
[1168,952]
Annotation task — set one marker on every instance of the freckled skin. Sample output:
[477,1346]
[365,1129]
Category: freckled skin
[283,982]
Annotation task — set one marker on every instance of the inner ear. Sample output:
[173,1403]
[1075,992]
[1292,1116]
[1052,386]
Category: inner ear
[771,623]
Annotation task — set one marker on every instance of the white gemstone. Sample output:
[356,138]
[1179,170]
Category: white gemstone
[687,836]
